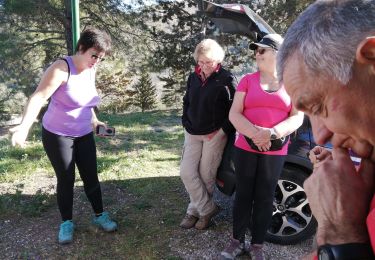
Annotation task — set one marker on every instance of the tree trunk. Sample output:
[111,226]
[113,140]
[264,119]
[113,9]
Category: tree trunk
[68,26]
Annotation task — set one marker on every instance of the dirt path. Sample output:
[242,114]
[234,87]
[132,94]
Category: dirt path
[36,237]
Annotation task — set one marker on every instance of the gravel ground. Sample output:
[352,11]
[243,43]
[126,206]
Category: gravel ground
[35,238]
[208,244]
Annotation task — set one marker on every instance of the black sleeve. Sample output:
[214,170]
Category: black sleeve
[185,101]
[227,126]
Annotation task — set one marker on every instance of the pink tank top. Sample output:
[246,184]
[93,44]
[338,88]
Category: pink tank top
[262,108]
[69,112]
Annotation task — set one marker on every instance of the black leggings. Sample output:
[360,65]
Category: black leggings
[65,152]
[256,180]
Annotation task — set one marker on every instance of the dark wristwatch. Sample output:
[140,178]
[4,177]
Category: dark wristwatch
[351,251]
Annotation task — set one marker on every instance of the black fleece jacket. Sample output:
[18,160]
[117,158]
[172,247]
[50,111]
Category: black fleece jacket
[207,103]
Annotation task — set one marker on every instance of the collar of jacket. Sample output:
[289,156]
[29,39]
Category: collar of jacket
[198,71]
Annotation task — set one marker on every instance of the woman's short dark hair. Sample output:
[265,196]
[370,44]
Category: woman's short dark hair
[94,38]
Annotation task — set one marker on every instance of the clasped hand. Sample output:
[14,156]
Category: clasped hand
[262,138]
[340,196]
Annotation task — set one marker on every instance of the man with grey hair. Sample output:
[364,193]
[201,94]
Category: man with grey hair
[327,64]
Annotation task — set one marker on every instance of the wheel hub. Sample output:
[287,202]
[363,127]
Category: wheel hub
[281,208]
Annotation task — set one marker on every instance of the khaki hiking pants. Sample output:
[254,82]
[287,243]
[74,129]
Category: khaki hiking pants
[200,159]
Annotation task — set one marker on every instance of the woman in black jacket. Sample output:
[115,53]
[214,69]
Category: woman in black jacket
[208,98]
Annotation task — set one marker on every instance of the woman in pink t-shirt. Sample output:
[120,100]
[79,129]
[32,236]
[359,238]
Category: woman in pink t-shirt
[263,115]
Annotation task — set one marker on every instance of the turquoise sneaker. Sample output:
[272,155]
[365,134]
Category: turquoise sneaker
[105,222]
[66,232]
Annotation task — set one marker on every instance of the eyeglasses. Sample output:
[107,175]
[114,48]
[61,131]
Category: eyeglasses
[261,51]
[96,57]
[205,63]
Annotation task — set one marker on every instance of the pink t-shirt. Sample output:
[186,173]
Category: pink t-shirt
[263,109]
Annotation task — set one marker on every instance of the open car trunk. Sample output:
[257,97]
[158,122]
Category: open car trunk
[235,19]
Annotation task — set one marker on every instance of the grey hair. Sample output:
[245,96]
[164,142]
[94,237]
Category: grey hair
[211,49]
[327,34]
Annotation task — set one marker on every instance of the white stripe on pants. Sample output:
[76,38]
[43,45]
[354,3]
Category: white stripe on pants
[200,159]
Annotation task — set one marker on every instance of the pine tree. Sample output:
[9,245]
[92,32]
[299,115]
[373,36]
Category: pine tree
[173,89]
[145,93]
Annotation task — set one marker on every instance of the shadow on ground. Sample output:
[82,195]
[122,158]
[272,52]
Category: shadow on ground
[148,212]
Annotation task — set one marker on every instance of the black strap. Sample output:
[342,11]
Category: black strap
[276,144]
[67,63]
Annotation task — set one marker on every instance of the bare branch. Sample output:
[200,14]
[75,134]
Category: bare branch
[30,46]
[42,31]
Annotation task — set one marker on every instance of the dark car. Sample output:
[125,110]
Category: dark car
[292,220]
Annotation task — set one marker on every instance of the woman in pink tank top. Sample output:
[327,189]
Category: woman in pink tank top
[263,116]
[67,132]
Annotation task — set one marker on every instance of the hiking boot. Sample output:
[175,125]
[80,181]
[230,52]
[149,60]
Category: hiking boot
[66,232]
[256,252]
[188,221]
[233,249]
[104,222]
[204,221]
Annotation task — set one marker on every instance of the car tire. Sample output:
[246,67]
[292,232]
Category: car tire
[292,220]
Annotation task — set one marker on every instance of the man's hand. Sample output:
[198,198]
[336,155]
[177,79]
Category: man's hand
[339,198]
[318,155]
